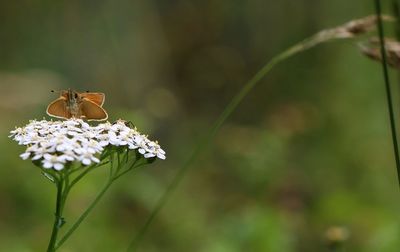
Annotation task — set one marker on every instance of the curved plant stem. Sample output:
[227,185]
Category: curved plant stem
[318,38]
[387,87]
[127,170]
[86,170]
[84,215]
[111,179]
[58,216]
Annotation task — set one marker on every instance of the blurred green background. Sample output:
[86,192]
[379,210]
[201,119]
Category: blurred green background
[307,151]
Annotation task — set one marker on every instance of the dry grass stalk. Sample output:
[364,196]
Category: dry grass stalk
[371,49]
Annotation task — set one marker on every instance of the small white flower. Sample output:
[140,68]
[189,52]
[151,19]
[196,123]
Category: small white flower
[160,153]
[25,155]
[38,151]
[55,143]
[113,138]
[93,147]
[103,139]
[88,158]
[53,161]
[68,156]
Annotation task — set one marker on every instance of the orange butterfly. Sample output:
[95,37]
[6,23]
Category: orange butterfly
[78,105]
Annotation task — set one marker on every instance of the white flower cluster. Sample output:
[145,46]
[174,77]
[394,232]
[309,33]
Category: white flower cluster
[55,143]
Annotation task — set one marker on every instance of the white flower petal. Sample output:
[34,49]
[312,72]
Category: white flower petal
[149,155]
[25,155]
[73,140]
[58,166]
[161,156]
[86,161]
[47,156]
[37,156]
[47,164]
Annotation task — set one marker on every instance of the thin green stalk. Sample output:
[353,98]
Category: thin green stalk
[119,160]
[67,187]
[387,87]
[229,109]
[64,186]
[127,170]
[84,215]
[396,13]
[57,217]
[112,178]
[79,168]
[127,155]
[111,164]
[86,170]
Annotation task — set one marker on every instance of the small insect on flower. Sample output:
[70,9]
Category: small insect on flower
[72,104]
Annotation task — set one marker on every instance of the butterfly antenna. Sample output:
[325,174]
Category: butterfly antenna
[55,91]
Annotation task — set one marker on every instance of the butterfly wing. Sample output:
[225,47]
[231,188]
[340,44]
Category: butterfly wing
[97,98]
[58,108]
[92,111]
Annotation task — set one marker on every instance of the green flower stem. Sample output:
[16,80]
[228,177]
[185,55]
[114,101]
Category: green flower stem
[86,170]
[111,164]
[387,87]
[58,216]
[396,13]
[128,170]
[84,215]
[119,160]
[67,187]
[320,37]
[111,179]
[64,185]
